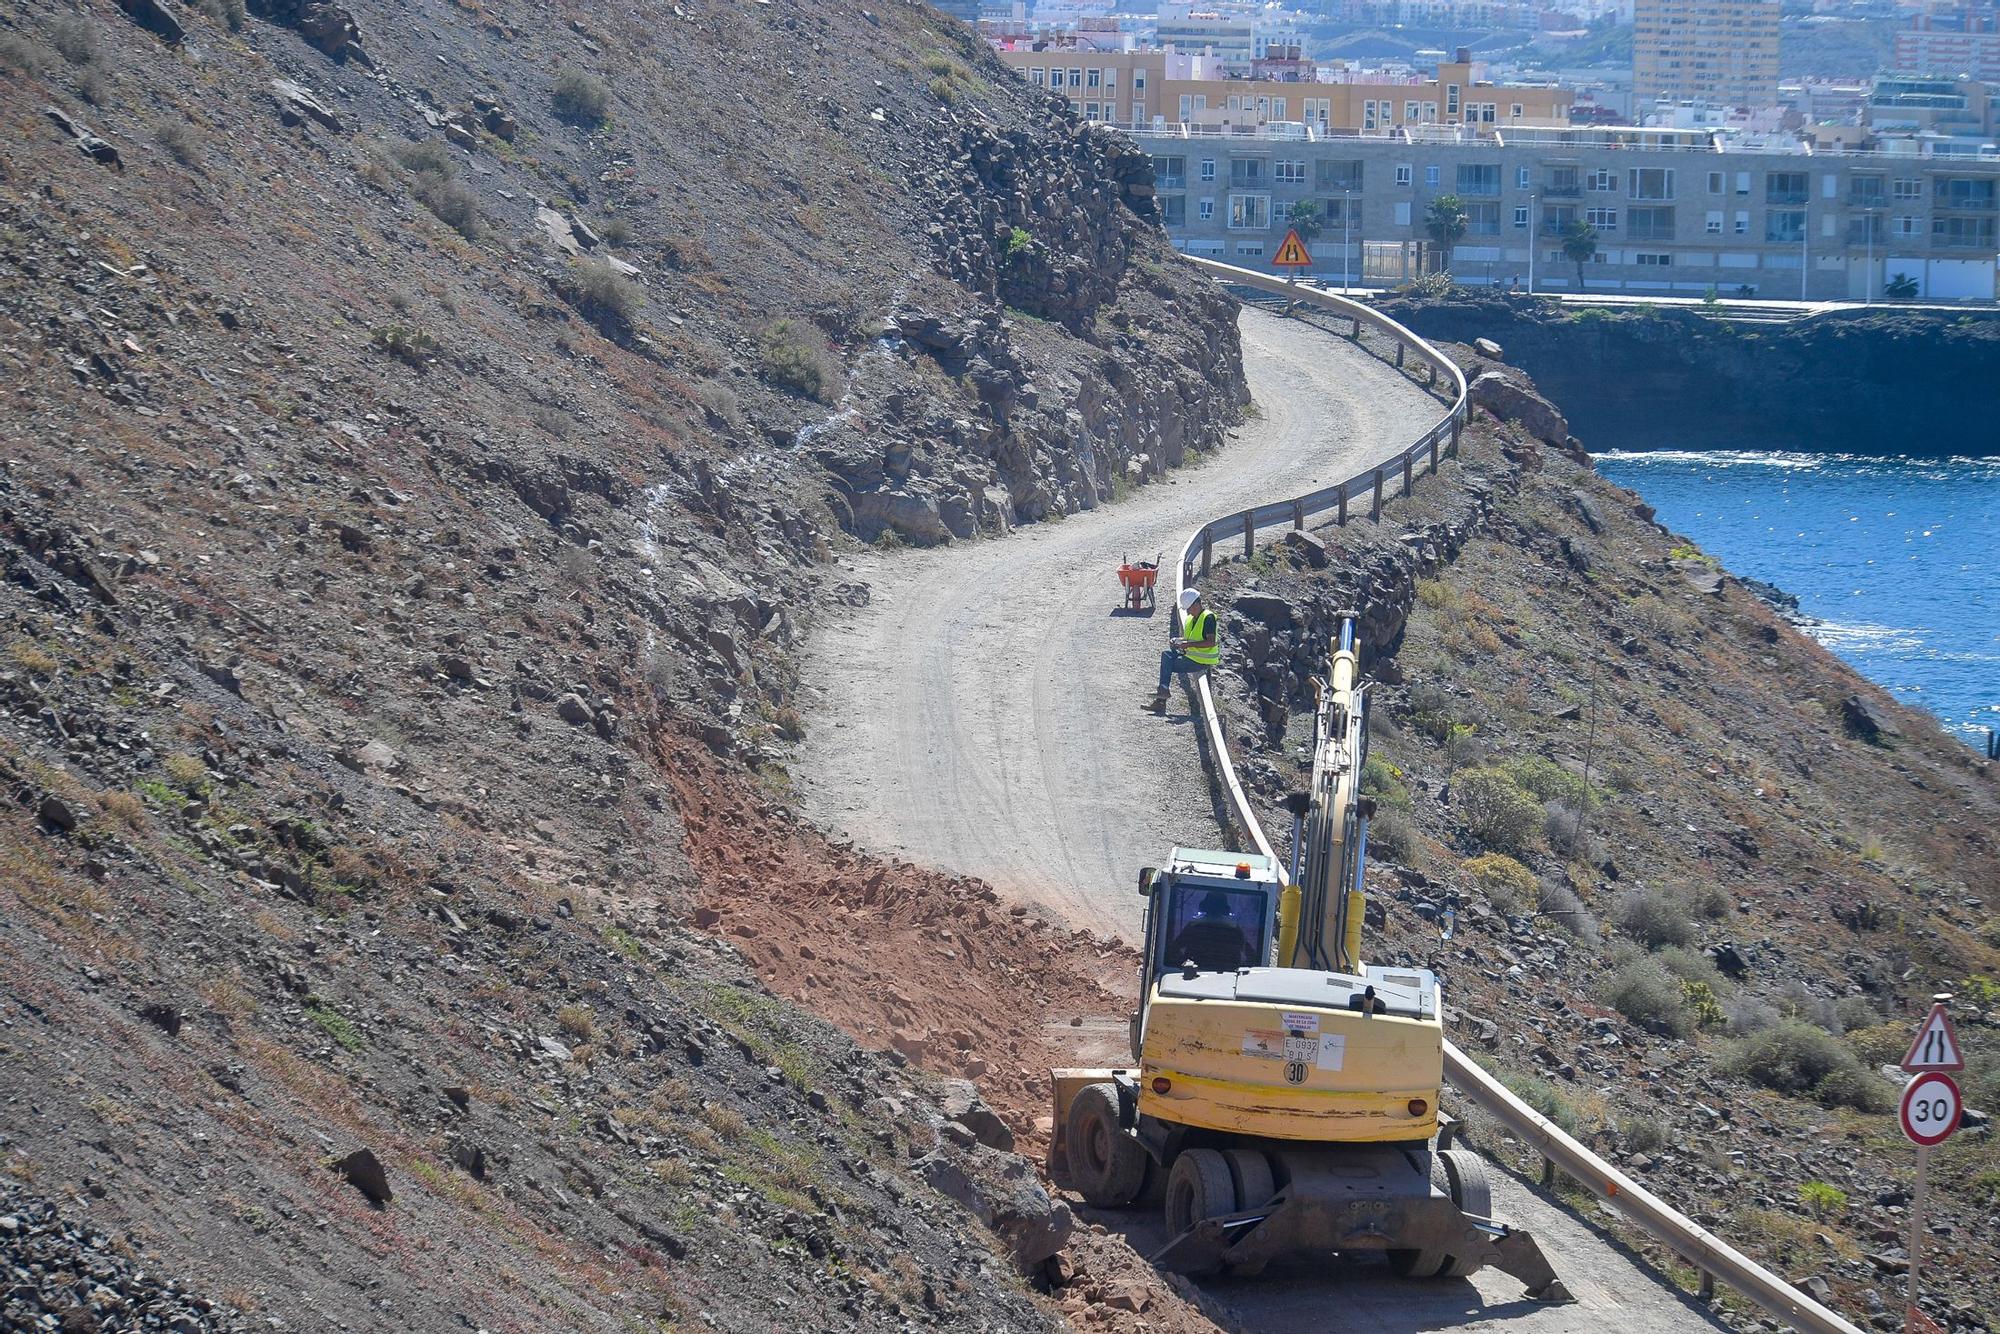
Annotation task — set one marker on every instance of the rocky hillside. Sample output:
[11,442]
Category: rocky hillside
[1704,878]
[425,422]
[1864,382]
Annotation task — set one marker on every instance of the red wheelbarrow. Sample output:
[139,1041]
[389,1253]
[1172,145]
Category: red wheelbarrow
[1138,581]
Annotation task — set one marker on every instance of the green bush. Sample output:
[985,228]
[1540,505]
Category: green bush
[1384,782]
[1653,918]
[1798,1058]
[1880,1044]
[409,346]
[1649,996]
[579,98]
[1507,884]
[603,295]
[1499,812]
[75,39]
[21,55]
[797,357]
[1643,1134]
[427,157]
[229,13]
[1391,834]
[1822,1198]
[451,203]
[1549,781]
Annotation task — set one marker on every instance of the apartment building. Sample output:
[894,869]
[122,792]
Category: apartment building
[1968,43]
[1718,51]
[1673,212]
[1161,88]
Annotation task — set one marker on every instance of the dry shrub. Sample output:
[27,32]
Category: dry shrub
[123,807]
[796,356]
[579,98]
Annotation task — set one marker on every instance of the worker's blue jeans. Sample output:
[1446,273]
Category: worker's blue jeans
[1173,660]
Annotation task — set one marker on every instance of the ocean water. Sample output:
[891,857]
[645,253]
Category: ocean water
[1895,560]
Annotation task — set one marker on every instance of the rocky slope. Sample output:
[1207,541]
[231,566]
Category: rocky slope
[1882,382]
[424,425]
[1703,878]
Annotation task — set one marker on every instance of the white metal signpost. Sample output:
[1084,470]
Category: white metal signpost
[1930,1110]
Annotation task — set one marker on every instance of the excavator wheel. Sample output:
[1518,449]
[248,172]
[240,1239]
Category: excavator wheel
[1250,1171]
[1107,1165]
[1465,1178]
[1198,1187]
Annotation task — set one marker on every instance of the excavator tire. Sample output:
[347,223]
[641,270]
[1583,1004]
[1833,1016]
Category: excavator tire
[1465,1178]
[1198,1187]
[1429,1261]
[1107,1165]
[1250,1170]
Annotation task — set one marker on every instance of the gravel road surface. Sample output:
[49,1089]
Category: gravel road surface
[982,714]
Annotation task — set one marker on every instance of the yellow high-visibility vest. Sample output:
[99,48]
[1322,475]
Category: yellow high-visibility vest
[1201,627]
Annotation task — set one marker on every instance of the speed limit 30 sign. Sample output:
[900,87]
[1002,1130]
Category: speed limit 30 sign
[1930,1109]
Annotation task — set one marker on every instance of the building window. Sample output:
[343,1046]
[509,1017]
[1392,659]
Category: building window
[1785,187]
[1173,210]
[1431,175]
[1281,213]
[1076,77]
[1651,183]
[1602,219]
[1090,111]
[1431,112]
[1247,171]
[1368,114]
[1411,111]
[1249,212]
[1291,173]
[1111,80]
[1208,169]
[1451,99]
[1715,182]
[1963,192]
[1742,182]
[1038,77]
[1139,81]
[1478,178]
[1907,226]
[1909,189]
[1712,224]
[1785,225]
[1093,78]
[1402,173]
[1742,225]
[1522,177]
[1652,261]
[1482,219]
[1402,213]
[1650,224]
[1250,251]
[1601,181]
[1205,209]
[1521,215]
[1519,111]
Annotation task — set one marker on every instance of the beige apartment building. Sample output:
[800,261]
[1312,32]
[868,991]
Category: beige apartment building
[1723,52]
[1145,89]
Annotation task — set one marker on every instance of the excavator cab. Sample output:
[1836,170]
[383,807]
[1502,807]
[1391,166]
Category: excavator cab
[1211,912]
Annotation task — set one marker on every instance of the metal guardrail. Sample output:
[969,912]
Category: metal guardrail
[1707,1252]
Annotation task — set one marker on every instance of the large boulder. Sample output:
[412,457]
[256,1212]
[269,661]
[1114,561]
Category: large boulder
[1517,403]
[1001,1191]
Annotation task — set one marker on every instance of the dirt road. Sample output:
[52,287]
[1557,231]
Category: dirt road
[982,714]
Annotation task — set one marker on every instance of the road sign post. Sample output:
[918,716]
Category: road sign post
[1929,1113]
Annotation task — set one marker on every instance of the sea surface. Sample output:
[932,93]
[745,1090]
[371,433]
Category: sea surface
[1896,561]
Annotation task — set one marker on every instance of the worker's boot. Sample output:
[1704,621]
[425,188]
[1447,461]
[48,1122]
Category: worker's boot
[1158,704]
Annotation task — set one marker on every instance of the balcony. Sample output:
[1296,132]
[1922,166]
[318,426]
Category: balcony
[1976,241]
[1861,233]
[1572,190]
[1784,235]
[1177,181]
[1785,197]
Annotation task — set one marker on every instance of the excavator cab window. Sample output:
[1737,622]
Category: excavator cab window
[1217,927]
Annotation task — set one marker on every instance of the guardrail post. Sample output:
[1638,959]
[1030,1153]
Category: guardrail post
[1375,512]
[1207,548]
[1434,452]
[1431,366]
[1456,426]
[1707,1292]
[1299,515]
[1340,498]
[1548,1174]
[1399,356]
[1354,331]
[1409,462]
[1249,533]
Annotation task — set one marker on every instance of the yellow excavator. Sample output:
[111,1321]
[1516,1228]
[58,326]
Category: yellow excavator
[1285,1099]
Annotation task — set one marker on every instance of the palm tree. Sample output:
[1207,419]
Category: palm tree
[1445,220]
[1580,243]
[1308,219]
[1902,286]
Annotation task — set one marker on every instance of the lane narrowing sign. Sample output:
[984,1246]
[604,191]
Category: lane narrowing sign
[1930,1109]
[1292,253]
[1936,1045]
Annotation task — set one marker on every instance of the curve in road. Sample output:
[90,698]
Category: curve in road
[982,714]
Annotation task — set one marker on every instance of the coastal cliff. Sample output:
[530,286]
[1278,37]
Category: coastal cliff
[1869,382]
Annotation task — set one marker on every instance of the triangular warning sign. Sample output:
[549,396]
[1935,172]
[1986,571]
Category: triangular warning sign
[1292,253]
[1936,1046]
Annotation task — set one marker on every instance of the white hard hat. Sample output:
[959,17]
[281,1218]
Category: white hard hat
[1189,597]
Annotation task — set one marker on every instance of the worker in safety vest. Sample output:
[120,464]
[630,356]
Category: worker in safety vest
[1195,650]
